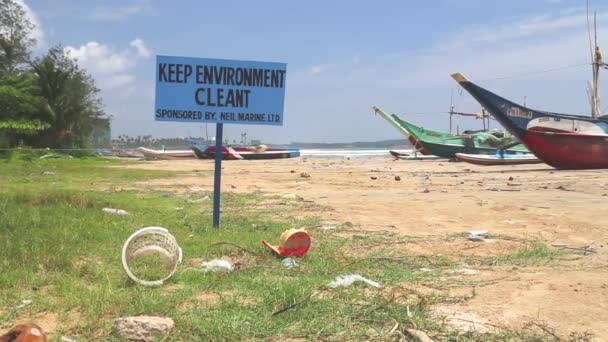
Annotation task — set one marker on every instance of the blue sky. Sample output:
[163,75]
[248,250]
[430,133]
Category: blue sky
[343,57]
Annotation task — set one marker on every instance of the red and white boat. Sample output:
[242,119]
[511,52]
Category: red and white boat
[166,155]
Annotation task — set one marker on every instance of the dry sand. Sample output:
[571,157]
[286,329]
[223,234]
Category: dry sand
[436,201]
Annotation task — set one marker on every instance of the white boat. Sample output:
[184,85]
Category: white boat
[167,155]
[507,159]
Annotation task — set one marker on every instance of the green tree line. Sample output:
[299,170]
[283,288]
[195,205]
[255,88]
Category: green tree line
[46,101]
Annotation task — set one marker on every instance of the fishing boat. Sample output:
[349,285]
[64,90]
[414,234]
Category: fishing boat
[166,155]
[446,145]
[417,146]
[486,160]
[245,153]
[563,141]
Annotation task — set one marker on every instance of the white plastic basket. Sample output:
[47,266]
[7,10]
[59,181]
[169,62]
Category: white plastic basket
[148,241]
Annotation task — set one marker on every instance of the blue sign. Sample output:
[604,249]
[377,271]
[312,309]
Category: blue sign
[219,91]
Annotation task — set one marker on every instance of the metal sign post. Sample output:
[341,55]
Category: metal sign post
[217,181]
[219,91]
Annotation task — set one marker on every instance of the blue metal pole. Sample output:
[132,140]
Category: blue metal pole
[219,132]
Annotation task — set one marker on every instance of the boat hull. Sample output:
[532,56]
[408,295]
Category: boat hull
[166,155]
[449,151]
[241,153]
[569,150]
[488,160]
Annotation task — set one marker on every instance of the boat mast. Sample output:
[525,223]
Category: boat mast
[597,61]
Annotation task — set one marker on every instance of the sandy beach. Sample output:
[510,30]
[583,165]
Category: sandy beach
[428,210]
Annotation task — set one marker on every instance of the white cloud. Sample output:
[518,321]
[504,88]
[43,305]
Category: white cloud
[37,32]
[120,12]
[142,50]
[320,68]
[111,68]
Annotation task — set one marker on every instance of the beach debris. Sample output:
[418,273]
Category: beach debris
[373,177]
[49,155]
[149,242]
[419,336]
[397,178]
[327,228]
[304,175]
[217,265]
[198,200]
[48,173]
[115,211]
[24,303]
[293,242]
[28,332]
[290,263]
[349,279]
[477,235]
[464,271]
[290,197]
[144,328]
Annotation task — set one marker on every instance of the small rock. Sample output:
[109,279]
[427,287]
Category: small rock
[373,177]
[304,174]
[293,171]
[426,191]
[144,328]
[397,178]
[511,178]
[290,196]
[233,186]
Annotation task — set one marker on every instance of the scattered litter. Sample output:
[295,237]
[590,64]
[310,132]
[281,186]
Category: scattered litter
[290,263]
[425,270]
[115,211]
[477,235]
[290,196]
[151,241]
[293,242]
[464,271]
[304,174]
[50,155]
[327,228]
[397,178]
[24,303]
[349,279]
[67,339]
[48,173]
[179,208]
[200,200]
[217,265]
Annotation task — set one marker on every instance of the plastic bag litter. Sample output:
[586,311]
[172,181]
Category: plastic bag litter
[327,228]
[290,263]
[477,235]
[290,196]
[349,279]
[115,211]
[24,303]
[217,265]
[200,200]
